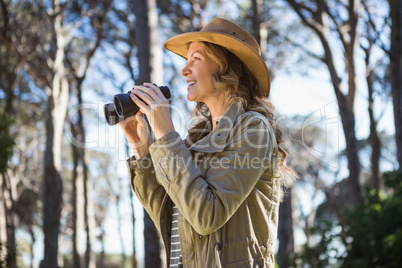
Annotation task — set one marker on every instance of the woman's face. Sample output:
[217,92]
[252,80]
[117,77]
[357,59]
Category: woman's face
[199,72]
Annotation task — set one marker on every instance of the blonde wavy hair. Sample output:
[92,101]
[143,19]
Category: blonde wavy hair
[238,84]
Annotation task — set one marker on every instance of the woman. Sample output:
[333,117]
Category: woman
[214,197]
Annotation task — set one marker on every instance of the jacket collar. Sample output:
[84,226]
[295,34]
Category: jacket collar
[216,140]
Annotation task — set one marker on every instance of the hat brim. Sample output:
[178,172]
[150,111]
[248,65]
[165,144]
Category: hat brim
[254,62]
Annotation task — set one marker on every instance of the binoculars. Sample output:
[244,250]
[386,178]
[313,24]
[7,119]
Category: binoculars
[123,107]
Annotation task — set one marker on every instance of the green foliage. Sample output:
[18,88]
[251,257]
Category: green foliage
[371,236]
[6,142]
[326,252]
[376,228]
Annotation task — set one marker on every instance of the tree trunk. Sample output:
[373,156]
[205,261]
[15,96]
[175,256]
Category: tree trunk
[150,52]
[374,139]
[8,208]
[8,78]
[348,124]
[83,185]
[285,231]
[121,235]
[3,225]
[89,216]
[396,70]
[256,17]
[76,256]
[319,23]
[102,257]
[83,216]
[346,104]
[55,115]
[77,211]
[150,65]
[375,143]
[52,195]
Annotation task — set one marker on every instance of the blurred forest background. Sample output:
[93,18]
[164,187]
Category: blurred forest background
[63,169]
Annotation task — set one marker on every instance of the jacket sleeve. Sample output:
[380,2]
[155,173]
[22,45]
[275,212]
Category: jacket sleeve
[149,192]
[207,201]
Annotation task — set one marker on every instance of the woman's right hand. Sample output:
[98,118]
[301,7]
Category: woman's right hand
[137,133]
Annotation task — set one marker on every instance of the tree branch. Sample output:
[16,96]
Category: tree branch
[374,28]
[308,21]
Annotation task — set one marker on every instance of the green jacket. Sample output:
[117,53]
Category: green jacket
[226,186]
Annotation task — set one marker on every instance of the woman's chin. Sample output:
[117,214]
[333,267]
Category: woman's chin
[190,97]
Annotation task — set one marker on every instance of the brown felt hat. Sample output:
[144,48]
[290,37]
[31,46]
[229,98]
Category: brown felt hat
[232,37]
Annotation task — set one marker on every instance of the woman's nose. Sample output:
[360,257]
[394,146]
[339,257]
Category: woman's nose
[186,71]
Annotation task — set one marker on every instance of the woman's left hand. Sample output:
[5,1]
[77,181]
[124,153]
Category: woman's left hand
[155,106]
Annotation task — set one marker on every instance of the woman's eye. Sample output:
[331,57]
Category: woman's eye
[196,58]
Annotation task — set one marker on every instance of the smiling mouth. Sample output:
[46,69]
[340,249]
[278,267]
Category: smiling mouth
[191,83]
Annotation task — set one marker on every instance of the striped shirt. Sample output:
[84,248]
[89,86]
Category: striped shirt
[175,250]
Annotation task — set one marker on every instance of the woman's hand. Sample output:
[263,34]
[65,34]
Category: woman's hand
[155,106]
[137,133]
